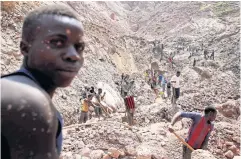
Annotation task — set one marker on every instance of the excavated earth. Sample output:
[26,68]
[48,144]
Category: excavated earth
[123,44]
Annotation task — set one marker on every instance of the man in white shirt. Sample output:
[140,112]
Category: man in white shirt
[175,82]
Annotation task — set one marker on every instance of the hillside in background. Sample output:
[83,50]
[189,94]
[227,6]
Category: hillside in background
[123,43]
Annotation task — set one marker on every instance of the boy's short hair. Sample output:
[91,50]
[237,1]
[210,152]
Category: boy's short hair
[210,109]
[178,72]
[31,21]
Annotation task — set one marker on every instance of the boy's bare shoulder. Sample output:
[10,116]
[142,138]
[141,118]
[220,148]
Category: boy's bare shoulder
[16,92]
[25,108]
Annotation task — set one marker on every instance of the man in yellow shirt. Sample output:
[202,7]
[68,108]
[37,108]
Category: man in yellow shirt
[85,104]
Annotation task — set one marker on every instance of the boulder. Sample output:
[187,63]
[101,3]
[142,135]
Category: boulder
[229,109]
[233,148]
[229,154]
[236,139]
[106,156]
[131,151]
[96,154]
[112,97]
[85,152]
[113,152]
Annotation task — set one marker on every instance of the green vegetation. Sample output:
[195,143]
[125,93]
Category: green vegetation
[218,8]
[222,8]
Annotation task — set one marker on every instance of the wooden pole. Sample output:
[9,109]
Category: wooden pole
[181,139]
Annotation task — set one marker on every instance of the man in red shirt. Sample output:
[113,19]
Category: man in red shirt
[200,130]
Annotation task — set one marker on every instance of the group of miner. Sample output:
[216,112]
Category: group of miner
[52,44]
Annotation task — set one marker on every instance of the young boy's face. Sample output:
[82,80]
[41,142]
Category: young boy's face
[57,49]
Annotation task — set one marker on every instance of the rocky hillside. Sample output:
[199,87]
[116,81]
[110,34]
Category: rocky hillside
[123,44]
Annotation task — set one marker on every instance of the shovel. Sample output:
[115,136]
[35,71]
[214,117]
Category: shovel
[181,139]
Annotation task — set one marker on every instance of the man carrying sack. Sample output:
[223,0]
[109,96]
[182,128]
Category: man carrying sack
[200,130]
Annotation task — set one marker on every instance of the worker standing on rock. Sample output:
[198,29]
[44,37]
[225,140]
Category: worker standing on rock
[97,105]
[194,62]
[162,83]
[146,75]
[205,54]
[168,89]
[212,55]
[85,105]
[126,87]
[171,57]
[200,130]
[52,45]
[175,82]
[154,84]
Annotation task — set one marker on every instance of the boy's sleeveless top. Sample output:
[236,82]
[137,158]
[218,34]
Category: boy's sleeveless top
[59,135]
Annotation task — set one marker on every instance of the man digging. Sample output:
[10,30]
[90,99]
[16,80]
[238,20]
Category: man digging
[199,131]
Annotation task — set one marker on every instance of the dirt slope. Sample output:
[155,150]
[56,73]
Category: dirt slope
[125,45]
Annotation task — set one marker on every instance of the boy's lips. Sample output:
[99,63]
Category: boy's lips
[68,72]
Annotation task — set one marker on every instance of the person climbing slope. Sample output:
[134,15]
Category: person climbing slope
[170,59]
[52,46]
[200,130]
[205,52]
[154,84]
[162,83]
[194,62]
[212,55]
[168,89]
[146,76]
[175,82]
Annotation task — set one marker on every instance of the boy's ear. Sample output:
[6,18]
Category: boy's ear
[24,47]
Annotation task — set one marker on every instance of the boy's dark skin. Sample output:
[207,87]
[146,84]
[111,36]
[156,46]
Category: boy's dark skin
[54,58]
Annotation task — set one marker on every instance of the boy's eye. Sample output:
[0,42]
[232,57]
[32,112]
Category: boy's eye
[57,42]
[80,46]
